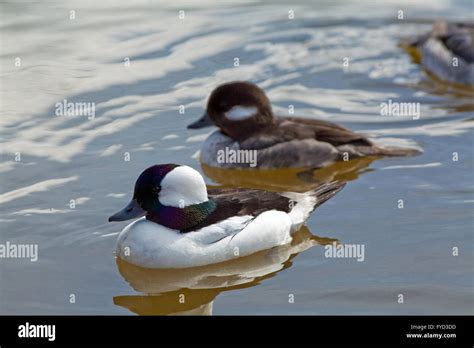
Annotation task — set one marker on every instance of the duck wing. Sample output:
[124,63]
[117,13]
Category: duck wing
[287,129]
[459,39]
[232,202]
[299,142]
[324,131]
[242,202]
[240,205]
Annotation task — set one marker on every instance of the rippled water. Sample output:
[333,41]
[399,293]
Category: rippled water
[177,62]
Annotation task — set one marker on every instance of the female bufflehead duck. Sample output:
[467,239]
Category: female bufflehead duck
[447,52]
[244,115]
[185,225]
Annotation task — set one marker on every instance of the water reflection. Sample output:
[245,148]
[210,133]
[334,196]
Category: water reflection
[192,291]
[459,98]
[289,179]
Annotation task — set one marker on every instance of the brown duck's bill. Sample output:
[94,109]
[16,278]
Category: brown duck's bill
[131,211]
[204,121]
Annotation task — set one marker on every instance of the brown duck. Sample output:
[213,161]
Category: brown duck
[245,119]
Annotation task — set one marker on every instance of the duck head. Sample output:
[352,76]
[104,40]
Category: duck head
[169,194]
[239,109]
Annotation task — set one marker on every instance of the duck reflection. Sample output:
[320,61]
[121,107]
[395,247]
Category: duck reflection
[289,179]
[192,291]
[458,98]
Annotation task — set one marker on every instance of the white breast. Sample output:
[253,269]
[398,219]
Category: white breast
[147,244]
[215,142]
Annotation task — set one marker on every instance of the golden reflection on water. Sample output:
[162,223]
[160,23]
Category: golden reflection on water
[459,98]
[191,291]
[288,179]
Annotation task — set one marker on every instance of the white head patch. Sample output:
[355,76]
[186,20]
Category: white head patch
[181,187]
[240,112]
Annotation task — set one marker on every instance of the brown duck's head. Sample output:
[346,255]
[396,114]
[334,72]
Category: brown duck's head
[238,109]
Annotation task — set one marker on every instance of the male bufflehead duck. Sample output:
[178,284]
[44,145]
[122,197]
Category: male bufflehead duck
[447,52]
[244,115]
[186,225]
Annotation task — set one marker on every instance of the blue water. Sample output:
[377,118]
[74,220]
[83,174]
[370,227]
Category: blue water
[177,62]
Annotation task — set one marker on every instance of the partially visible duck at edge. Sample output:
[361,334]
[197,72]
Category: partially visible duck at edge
[182,224]
[447,52]
[243,113]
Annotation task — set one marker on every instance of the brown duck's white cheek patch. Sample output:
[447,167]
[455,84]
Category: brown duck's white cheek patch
[240,112]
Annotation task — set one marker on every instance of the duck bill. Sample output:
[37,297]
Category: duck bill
[204,121]
[131,211]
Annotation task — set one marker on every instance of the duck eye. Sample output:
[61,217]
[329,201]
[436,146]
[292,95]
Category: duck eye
[156,190]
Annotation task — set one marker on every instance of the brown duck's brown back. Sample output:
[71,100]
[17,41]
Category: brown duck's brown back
[300,142]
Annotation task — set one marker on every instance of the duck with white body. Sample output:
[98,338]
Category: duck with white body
[182,224]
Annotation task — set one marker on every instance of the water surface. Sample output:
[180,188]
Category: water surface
[177,62]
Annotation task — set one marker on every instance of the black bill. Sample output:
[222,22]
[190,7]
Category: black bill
[131,211]
[204,121]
